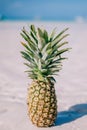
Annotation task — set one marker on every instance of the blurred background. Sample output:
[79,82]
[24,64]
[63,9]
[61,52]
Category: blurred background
[54,10]
[71,85]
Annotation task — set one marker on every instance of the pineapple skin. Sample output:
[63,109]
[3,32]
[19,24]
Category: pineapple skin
[42,103]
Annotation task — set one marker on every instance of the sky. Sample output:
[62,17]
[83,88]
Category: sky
[43,9]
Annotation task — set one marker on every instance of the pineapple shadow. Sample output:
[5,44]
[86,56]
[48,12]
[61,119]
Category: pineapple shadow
[73,113]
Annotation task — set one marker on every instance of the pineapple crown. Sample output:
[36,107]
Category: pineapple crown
[43,52]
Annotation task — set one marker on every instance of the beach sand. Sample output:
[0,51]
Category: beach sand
[71,85]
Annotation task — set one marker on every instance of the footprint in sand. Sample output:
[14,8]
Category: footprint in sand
[2,111]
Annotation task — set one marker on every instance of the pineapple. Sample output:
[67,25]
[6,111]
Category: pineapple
[43,54]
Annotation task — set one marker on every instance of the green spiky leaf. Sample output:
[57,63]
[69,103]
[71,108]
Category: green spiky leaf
[43,53]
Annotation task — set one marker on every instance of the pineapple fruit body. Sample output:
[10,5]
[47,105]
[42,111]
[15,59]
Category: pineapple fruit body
[42,103]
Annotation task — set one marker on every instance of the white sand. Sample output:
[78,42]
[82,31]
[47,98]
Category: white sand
[71,86]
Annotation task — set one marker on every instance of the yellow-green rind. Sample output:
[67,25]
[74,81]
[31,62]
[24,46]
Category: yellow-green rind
[42,103]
